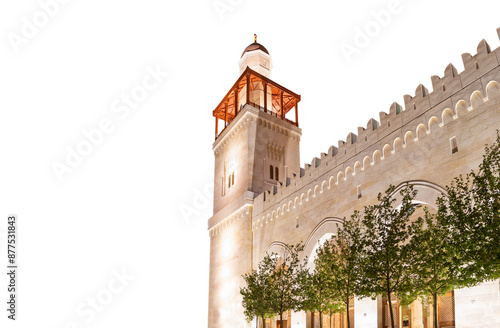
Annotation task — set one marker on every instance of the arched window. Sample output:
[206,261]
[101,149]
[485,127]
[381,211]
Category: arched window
[232,179]
[271,172]
[277,175]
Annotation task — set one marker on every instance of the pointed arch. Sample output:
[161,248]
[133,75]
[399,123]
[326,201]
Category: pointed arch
[366,162]
[377,156]
[316,190]
[421,131]
[433,121]
[348,172]
[331,182]
[461,108]
[386,151]
[476,99]
[275,247]
[408,137]
[323,230]
[357,167]
[397,145]
[492,90]
[309,194]
[324,186]
[446,116]
[340,176]
[427,194]
[302,198]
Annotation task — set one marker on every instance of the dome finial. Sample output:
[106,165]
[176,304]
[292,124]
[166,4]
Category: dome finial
[255,38]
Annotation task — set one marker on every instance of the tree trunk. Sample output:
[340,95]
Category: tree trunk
[263,322]
[320,319]
[331,315]
[281,319]
[390,307]
[347,310]
[435,305]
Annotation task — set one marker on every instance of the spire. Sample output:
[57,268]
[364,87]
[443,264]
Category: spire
[255,38]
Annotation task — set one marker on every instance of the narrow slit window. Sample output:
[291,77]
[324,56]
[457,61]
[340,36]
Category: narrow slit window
[230,180]
[271,172]
[277,174]
[453,145]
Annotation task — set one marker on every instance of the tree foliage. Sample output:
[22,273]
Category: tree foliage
[318,290]
[470,210]
[257,293]
[433,270]
[346,259]
[380,251]
[386,269]
[286,293]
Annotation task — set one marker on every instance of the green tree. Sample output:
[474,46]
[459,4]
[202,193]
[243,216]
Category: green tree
[346,258]
[432,260]
[486,193]
[335,307]
[286,293]
[470,209]
[318,292]
[256,301]
[386,253]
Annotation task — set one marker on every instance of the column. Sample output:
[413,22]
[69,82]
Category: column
[365,313]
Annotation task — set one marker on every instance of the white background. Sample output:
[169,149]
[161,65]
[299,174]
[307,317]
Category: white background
[136,202]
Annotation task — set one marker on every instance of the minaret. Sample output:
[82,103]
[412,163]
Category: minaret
[256,148]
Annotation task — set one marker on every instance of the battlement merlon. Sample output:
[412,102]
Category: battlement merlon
[453,93]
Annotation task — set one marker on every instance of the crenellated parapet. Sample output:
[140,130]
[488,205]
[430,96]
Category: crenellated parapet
[454,96]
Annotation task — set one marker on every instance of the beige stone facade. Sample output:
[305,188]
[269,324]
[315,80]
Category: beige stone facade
[437,136]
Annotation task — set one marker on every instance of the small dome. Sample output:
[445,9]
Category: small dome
[255,46]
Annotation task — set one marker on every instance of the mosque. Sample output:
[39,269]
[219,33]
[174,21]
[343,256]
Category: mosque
[264,199]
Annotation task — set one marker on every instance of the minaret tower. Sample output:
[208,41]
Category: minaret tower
[256,147]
